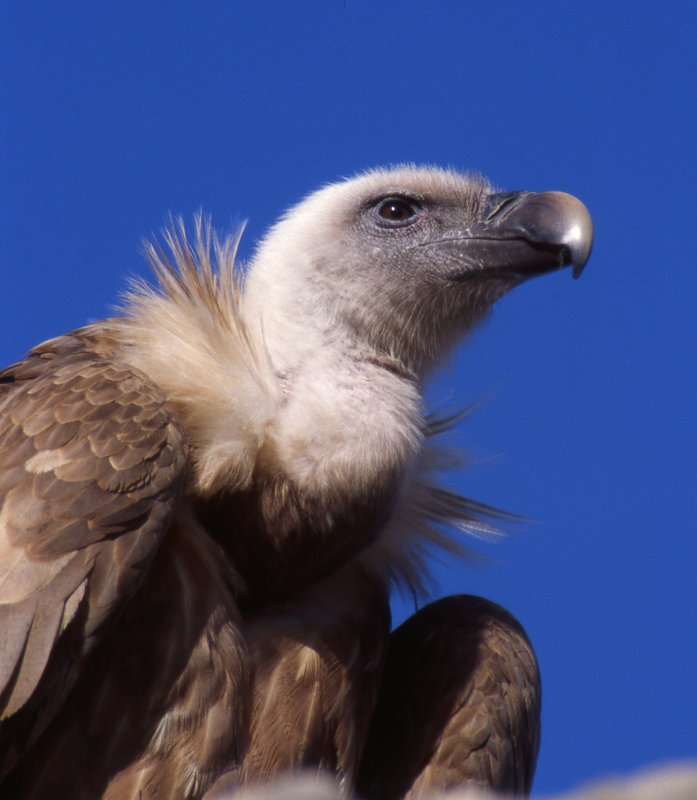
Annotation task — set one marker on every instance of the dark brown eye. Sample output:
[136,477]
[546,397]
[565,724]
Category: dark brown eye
[395,209]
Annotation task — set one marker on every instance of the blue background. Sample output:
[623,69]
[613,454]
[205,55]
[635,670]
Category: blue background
[113,114]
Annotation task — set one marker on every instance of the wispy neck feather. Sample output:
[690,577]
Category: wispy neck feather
[430,519]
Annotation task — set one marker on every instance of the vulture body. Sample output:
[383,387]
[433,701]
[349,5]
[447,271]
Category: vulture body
[205,502]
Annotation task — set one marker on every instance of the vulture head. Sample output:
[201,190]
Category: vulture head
[404,262]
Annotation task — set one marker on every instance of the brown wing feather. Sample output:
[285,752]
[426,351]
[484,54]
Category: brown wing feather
[459,705]
[316,666]
[157,710]
[91,467]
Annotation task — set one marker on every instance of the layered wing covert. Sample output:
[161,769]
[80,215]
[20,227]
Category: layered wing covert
[92,463]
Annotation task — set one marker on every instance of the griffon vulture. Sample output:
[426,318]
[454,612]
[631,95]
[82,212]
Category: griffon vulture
[206,500]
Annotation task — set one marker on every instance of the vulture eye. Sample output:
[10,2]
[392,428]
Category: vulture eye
[397,209]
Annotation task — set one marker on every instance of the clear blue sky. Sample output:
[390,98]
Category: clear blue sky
[113,114]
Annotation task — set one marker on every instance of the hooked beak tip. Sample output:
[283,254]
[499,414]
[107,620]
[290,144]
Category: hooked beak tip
[571,226]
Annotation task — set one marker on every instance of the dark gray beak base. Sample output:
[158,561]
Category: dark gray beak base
[529,234]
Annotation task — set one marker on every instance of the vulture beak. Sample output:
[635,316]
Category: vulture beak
[526,234]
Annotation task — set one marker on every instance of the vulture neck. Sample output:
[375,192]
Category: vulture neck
[348,417]
[262,389]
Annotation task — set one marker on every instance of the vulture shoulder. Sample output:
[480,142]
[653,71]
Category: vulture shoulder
[92,464]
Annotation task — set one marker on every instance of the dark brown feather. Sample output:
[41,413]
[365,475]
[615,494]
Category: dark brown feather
[459,705]
[157,711]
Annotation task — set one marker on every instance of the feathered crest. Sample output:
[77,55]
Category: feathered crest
[189,334]
[200,271]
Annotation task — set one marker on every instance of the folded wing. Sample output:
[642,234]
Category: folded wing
[92,464]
